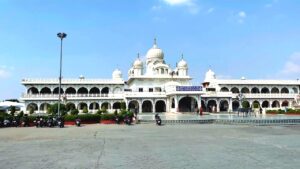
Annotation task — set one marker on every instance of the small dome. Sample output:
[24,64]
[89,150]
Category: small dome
[117,74]
[138,63]
[182,64]
[155,52]
[210,75]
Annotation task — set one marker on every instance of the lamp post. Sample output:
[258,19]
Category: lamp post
[241,98]
[60,35]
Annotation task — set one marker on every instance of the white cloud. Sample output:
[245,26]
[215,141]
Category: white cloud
[178,2]
[191,5]
[241,16]
[292,65]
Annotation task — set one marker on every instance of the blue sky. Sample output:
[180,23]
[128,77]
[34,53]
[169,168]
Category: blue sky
[258,39]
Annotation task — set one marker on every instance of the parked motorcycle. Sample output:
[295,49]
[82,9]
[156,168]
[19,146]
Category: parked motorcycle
[60,122]
[78,122]
[157,120]
[127,120]
[6,123]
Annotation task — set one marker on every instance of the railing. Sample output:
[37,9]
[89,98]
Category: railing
[53,80]
[69,95]
[268,95]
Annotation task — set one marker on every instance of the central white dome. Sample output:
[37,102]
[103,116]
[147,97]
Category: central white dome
[155,52]
[209,76]
[117,74]
[138,63]
[182,64]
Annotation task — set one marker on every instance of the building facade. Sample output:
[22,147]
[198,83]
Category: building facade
[153,86]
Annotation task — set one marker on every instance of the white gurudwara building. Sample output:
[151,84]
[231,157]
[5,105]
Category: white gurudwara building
[153,86]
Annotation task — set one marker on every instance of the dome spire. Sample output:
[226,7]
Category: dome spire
[154,41]
[138,55]
[181,56]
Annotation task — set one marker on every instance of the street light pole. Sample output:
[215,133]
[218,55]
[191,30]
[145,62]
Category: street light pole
[60,35]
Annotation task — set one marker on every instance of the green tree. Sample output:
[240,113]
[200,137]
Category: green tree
[54,109]
[123,106]
[245,104]
[31,110]
[12,110]
[74,112]
[85,110]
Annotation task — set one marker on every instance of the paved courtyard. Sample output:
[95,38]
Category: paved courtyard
[150,146]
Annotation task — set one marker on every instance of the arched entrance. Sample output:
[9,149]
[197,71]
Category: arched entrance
[117,105]
[32,107]
[105,105]
[275,104]
[160,106]
[265,104]
[44,107]
[187,104]
[285,103]
[133,106]
[147,106]
[70,106]
[223,105]
[212,106]
[94,106]
[235,105]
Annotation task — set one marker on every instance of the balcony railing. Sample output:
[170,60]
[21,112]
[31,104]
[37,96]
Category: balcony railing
[69,95]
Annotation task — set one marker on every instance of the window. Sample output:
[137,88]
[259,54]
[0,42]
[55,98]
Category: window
[150,89]
[140,89]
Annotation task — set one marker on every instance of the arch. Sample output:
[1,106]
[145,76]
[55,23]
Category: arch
[255,90]
[265,104]
[275,104]
[82,90]
[235,105]
[117,90]
[254,103]
[274,90]
[295,90]
[284,90]
[187,104]
[212,105]
[133,105]
[105,105]
[94,106]
[45,90]
[147,106]
[224,105]
[265,90]
[94,90]
[117,105]
[245,104]
[245,90]
[160,106]
[70,90]
[235,90]
[32,106]
[82,105]
[105,90]
[55,91]
[33,90]
[285,103]
[224,89]
[70,106]
[44,106]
